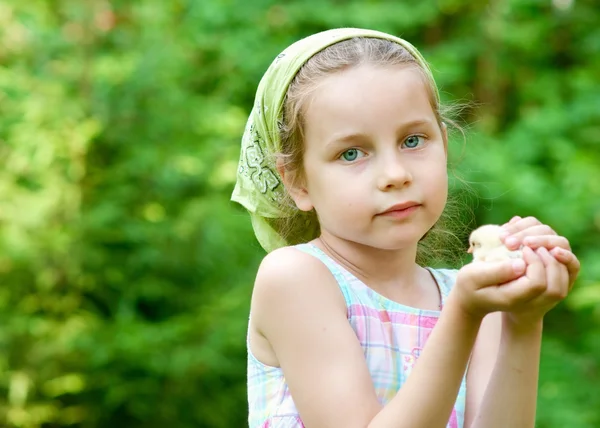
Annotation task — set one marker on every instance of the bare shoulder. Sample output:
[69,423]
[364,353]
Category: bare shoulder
[288,277]
[299,323]
[289,262]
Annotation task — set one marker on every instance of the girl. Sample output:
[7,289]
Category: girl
[344,171]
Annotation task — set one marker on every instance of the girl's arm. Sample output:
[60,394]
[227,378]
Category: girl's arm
[298,307]
[512,367]
[511,395]
[481,365]
[503,374]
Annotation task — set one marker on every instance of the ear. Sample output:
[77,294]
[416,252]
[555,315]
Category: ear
[444,129]
[295,187]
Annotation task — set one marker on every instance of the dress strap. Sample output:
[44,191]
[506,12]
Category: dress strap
[336,270]
[445,279]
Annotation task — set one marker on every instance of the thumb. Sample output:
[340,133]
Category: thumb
[485,274]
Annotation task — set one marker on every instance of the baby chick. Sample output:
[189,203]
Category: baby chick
[486,246]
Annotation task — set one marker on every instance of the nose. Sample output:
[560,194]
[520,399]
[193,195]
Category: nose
[393,172]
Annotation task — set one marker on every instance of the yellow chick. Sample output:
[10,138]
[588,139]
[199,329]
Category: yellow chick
[486,246]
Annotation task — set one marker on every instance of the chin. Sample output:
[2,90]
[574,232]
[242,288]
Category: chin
[387,240]
[404,243]
[392,243]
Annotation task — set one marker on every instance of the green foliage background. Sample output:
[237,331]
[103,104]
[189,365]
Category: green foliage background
[126,272]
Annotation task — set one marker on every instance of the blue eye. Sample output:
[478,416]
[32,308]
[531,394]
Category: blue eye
[413,141]
[351,155]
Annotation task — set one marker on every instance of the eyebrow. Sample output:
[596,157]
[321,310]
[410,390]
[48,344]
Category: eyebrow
[351,137]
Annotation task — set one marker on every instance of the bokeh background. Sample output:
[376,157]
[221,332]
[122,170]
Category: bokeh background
[126,273]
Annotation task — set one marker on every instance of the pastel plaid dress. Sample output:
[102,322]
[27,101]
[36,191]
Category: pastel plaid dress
[392,337]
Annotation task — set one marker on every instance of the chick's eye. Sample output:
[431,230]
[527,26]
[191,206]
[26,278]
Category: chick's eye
[351,155]
[413,141]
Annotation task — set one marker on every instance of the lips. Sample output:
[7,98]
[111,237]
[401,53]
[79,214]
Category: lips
[402,207]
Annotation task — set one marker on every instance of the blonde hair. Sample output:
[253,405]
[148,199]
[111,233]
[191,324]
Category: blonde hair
[438,242]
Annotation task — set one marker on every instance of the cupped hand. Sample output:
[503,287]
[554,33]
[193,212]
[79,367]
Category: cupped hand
[485,287]
[546,270]
[530,232]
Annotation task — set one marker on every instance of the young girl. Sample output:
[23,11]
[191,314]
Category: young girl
[344,171]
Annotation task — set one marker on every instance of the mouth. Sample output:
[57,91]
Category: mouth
[401,210]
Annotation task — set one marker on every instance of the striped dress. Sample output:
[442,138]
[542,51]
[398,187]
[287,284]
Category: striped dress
[392,337]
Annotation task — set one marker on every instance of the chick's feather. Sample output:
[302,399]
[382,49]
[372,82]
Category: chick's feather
[485,245]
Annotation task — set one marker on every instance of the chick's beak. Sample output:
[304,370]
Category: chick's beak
[470,250]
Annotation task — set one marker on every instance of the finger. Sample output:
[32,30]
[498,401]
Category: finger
[570,261]
[547,241]
[535,267]
[529,286]
[556,276]
[515,219]
[521,224]
[515,240]
[512,220]
[565,278]
[494,273]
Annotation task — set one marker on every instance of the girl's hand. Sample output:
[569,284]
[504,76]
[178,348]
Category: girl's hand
[532,233]
[485,287]
[526,291]
[557,286]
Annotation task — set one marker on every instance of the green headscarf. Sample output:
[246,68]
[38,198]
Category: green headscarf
[259,187]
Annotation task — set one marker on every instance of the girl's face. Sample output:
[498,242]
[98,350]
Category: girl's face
[372,144]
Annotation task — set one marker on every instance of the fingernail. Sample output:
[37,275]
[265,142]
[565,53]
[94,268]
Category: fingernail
[511,241]
[518,265]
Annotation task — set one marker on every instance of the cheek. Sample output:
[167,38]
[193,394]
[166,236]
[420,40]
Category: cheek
[340,198]
[437,178]
[441,185]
